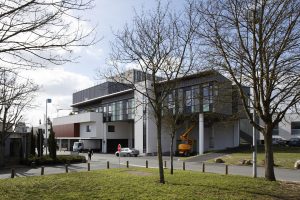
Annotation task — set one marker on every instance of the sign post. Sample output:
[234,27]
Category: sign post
[119,150]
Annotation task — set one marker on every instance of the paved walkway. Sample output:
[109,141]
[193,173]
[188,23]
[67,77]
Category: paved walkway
[99,161]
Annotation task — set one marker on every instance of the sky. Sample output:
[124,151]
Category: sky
[60,82]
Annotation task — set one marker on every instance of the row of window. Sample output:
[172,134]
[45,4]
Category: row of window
[190,99]
[120,110]
[295,129]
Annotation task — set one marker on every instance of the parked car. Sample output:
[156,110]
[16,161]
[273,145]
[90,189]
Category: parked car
[279,141]
[294,142]
[128,152]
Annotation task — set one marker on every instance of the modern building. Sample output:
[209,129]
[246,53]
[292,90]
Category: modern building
[114,113]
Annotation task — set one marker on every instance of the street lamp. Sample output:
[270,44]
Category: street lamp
[47,101]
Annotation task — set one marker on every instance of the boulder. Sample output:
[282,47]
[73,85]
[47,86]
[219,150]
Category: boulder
[219,160]
[297,164]
[246,162]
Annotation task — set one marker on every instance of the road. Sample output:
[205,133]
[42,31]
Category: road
[99,161]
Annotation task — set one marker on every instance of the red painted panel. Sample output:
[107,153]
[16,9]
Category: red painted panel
[66,130]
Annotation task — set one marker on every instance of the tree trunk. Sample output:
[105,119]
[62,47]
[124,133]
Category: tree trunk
[159,150]
[171,154]
[269,160]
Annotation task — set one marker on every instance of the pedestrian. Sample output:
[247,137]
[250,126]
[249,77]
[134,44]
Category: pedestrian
[90,153]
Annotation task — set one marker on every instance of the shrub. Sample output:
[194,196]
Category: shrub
[60,159]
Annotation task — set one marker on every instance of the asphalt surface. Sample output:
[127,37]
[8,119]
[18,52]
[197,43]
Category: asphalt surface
[99,161]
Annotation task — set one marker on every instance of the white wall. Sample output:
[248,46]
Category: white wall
[93,130]
[78,118]
[138,121]
[123,130]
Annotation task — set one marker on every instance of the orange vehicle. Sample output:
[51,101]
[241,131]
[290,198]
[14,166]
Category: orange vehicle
[187,144]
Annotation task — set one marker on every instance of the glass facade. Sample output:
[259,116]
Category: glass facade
[119,110]
[207,97]
[197,98]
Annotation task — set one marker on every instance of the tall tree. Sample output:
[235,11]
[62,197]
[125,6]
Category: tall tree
[40,142]
[52,142]
[257,44]
[16,95]
[158,43]
[32,143]
[173,119]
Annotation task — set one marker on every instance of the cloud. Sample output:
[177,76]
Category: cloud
[58,85]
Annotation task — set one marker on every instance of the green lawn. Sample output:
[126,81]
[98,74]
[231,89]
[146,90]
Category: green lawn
[142,184]
[283,156]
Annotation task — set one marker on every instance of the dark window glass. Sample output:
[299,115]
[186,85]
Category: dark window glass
[88,129]
[111,128]
[295,128]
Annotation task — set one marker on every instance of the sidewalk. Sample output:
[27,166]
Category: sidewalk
[281,174]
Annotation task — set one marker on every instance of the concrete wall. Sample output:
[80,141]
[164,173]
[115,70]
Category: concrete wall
[93,119]
[225,135]
[138,120]
[92,127]
[123,130]
[78,118]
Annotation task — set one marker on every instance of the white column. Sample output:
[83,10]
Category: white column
[201,133]
[104,142]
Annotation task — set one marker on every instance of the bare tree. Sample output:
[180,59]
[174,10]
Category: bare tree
[158,43]
[34,33]
[15,96]
[256,43]
[173,119]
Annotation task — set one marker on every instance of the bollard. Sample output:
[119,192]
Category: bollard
[89,166]
[67,169]
[12,173]
[127,164]
[107,165]
[165,164]
[42,170]
[203,167]
[226,169]
[183,165]
[146,163]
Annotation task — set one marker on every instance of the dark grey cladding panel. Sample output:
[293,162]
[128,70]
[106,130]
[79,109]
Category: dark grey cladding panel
[98,91]
[128,95]
[194,80]
[117,87]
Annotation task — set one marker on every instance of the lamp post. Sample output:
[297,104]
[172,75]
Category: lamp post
[46,128]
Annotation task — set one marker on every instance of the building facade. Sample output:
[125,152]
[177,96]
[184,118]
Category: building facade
[114,113]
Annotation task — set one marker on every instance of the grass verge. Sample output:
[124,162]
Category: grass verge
[136,183]
[284,157]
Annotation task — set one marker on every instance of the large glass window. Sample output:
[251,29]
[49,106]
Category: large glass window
[295,128]
[188,101]
[120,110]
[171,103]
[207,97]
